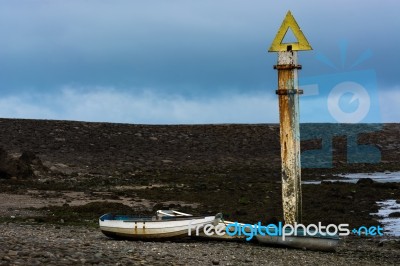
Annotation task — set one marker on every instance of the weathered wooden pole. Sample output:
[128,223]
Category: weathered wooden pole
[290,135]
[288,92]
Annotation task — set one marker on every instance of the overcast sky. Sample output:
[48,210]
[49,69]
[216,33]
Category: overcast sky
[183,61]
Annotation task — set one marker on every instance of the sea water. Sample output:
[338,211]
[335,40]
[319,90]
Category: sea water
[380,177]
[391,225]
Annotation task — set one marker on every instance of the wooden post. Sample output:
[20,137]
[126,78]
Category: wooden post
[288,91]
[289,135]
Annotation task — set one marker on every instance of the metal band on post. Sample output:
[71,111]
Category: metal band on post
[287,92]
[287,67]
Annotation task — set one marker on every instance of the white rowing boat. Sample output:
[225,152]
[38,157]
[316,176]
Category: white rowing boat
[234,231]
[166,224]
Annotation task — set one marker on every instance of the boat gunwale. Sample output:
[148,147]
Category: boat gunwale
[157,220]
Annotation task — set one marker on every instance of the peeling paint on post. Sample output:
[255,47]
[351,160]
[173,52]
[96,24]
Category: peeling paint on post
[289,135]
[288,91]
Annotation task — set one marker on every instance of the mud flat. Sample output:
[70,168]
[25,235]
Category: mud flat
[58,177]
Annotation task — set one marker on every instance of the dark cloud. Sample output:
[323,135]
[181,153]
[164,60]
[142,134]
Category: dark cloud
[188,47]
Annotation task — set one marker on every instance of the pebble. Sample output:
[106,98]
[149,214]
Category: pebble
[12,253]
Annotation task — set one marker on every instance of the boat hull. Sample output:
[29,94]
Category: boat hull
[301,242]
[152,230]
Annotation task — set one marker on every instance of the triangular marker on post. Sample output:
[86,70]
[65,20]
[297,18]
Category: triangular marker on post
[301,45]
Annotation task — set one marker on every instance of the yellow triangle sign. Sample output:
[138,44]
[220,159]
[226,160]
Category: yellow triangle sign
[301,44]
